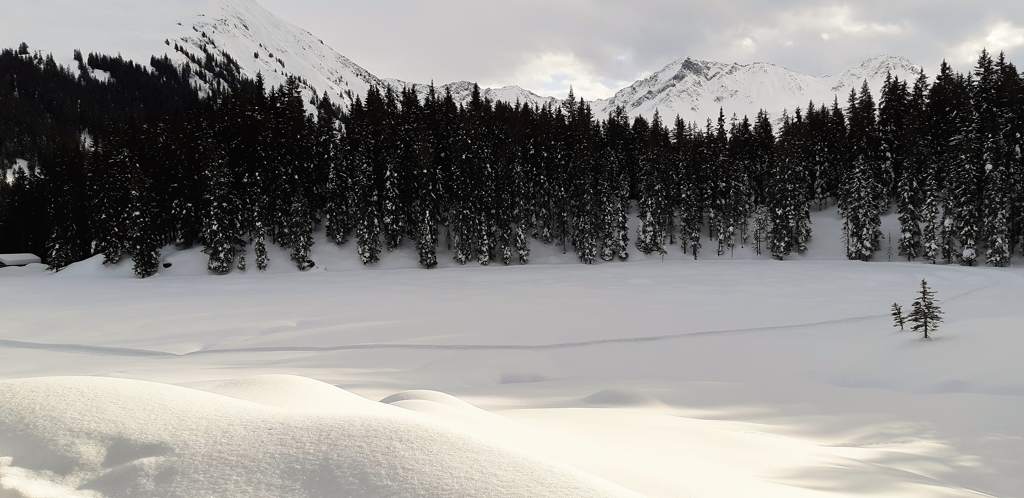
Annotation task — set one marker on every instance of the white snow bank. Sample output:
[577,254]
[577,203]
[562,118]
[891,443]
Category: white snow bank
[18,259]
[450,411]
[430,397]
[94,267]
[292,392]
[32,269]
[89,436]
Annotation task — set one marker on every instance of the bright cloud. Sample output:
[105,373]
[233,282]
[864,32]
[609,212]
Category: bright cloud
[553,73]
[842,19]
[999,37]
[826,23]
[546,45]
[747,43]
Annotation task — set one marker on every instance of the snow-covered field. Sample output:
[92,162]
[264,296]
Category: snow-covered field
[716,378]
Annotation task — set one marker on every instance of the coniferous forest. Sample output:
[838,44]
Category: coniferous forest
[148,157]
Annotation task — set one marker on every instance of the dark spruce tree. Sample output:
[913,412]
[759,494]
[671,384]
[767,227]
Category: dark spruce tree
[360,141]
[222,223]
[931,242]
[421,189]
[111,167]
[912,186]
[863,195]
[925,314]
[965,177]
[898,318]
[690,196]
[994,114]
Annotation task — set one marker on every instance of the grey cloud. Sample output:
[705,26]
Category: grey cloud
[489,41]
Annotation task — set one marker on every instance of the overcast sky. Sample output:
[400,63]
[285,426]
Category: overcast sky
[602,45]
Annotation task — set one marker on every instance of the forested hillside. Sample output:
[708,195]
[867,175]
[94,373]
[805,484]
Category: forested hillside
[120,159]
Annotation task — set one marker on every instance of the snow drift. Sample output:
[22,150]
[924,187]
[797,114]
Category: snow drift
[90,437]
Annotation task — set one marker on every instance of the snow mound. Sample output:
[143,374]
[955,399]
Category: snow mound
[443,405]
[620,397]
[87,437]
[292,392]
[94,267]
[428,396]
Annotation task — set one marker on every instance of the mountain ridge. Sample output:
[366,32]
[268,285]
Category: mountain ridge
[243,33]
[695,89]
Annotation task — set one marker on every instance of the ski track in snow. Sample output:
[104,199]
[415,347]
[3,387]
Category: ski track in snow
[117,351]
[566,345]
[81,348]
[535,347]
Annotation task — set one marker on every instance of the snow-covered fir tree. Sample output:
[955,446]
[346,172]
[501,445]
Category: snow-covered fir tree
[909,217]
[146,242]
[338,207]
[762,227]
[111,168]
[931,231]
[222,229]
[996,201]
[301,234]
[861,216]
[260,247]
[650,236]
[426,239]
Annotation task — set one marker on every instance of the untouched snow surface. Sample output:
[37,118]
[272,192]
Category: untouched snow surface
[716,378]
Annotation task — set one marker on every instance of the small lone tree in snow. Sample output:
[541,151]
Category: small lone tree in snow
[898,318]
[925,315]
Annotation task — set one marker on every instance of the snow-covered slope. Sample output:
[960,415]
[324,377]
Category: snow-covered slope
[462,91]
[187,30]
[873,70]
[261,42]
[696,89]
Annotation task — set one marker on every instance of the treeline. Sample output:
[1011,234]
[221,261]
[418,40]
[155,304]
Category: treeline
[127,164]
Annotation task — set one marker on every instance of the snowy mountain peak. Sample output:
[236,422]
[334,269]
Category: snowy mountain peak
[696,89]
[240,34]
[246,36]
[262,43]
[875,69]
[879,65]
[462,92]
